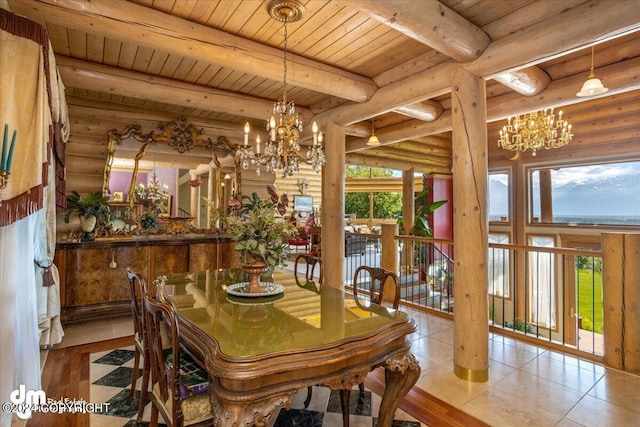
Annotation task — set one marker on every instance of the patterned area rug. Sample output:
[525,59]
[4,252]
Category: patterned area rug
[110,374]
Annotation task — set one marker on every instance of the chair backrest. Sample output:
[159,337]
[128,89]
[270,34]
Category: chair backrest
[380,285]
[156,314]
[138,288]
[310,262]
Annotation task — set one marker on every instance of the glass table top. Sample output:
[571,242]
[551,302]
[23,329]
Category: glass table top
[303,316]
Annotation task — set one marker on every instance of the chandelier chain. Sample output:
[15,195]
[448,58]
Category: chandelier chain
[284,65]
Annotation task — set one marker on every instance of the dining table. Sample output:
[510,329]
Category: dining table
[261,349]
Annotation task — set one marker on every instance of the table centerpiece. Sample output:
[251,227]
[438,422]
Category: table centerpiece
[261,238]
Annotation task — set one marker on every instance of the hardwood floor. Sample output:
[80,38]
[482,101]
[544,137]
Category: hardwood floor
[66,375]
[424,407]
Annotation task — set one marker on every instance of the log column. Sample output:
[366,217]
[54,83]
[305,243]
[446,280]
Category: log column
[333,184]
[621,301]
[408,215]
[470,225]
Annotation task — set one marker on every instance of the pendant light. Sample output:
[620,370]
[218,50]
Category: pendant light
[373,139]
[593,85]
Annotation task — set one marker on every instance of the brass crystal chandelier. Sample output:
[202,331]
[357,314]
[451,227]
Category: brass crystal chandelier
[282,147]
[535,131]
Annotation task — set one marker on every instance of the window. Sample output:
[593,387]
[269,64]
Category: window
[499,196]
[542,283]
[499,284]
[587,194]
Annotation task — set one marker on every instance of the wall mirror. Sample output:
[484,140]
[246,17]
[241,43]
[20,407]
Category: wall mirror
[177,174]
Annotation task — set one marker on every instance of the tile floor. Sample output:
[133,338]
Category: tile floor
[528,385]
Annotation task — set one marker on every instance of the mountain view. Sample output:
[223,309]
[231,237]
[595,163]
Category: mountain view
[600,194]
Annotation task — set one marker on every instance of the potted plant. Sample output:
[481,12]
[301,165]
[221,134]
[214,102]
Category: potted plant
[92,209]
[261,238]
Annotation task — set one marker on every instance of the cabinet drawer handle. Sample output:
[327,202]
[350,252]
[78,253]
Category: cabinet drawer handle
[113,263]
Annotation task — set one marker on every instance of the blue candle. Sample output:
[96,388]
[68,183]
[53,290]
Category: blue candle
[10,158]
[3,161]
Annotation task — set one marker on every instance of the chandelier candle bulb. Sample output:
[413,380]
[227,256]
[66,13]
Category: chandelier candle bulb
[258,144]
[272,127]
[247,128]
[314,128]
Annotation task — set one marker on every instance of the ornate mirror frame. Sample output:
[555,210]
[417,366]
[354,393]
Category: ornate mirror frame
[181,137]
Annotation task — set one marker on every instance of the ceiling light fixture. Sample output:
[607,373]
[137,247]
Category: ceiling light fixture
[373,139]
[282,147]
[534,131]
[593,85]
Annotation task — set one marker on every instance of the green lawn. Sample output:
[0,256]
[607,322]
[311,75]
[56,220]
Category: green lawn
[590,300]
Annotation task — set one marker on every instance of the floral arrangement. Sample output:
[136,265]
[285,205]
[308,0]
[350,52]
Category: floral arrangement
[260,236]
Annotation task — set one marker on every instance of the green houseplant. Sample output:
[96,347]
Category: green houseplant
[261,237]
[93,209]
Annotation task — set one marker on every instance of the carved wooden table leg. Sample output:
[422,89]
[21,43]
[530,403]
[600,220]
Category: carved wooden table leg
[400,374]
[345,395]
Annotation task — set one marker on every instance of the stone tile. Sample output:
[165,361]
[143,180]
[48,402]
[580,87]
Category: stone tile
[116,357]
[566,374]
[501,409]
[119,377]
[525,387]
[594,412]
[616,387]
[510,355]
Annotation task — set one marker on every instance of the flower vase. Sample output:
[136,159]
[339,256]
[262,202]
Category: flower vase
[88,225]
[254,271]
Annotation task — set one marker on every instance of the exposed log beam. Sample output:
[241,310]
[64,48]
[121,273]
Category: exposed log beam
[127,21]
[392,153]
[427,110]
[591,21]
[363,185]
[621,77]
[528,81]
[364,160]
[112,80]
[430,23]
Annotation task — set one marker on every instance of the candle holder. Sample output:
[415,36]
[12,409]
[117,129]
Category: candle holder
[4,178]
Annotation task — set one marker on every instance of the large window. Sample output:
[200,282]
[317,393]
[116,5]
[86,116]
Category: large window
[588,194]
[542,284]
[499,196]
[499,284]
[371,204]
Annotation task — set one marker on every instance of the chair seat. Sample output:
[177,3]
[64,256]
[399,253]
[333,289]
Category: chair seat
[295,242]
[195,409]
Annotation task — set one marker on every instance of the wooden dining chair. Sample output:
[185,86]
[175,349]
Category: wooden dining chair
[310,263]
[138,288]
[177,393]
[378,285]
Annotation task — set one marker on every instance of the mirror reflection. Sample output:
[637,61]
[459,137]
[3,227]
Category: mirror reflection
[175,181]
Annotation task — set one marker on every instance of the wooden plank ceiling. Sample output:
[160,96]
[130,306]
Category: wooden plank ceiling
[220,63]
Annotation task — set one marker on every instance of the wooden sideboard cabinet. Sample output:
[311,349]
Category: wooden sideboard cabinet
[96,278]
[93,276]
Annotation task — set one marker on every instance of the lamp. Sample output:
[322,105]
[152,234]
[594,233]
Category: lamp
[534,131]
[593,85]
[373,139]
[282,147]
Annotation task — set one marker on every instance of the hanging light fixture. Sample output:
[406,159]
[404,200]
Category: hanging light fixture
[373,139]
[593,85]
[282,147]
[534,131]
